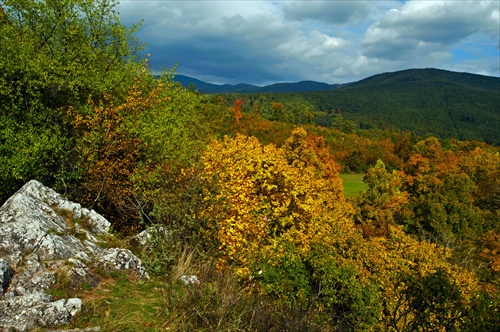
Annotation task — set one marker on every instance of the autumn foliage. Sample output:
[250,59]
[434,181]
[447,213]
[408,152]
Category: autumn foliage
[265,202]
[251,186]
[268,193]
[110,153]
[281,221]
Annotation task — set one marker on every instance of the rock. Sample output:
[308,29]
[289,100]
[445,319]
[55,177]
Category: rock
[146,236]
[190,280]
[31,277]
[123,260]
[77,274]
[47,241]
[6,274]
[34,220]
[24,313]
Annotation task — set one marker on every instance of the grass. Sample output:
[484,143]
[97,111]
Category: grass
[219,303]
[163,303]
[124,305]
[353,184]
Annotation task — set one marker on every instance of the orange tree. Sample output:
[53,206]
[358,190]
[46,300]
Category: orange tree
[133,155]
[109,153]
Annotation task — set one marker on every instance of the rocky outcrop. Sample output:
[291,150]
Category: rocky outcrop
[22,313]
[47,241]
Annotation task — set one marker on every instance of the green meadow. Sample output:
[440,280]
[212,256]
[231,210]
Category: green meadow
[353,184]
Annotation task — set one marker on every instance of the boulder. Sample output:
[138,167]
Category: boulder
[151,234]
[24,313]
[121,260]
[47,241]
[189,280]
[35,219]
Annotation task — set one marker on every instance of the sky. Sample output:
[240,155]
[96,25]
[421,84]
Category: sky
[265,42]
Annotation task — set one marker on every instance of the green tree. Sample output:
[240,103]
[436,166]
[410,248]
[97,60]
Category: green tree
[317,291]
[434,303]
[383,198]
[442,197]
[136,156]
[55,54]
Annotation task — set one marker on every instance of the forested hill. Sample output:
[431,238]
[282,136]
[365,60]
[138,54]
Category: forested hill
[429,75]
[424,101]
[204,87]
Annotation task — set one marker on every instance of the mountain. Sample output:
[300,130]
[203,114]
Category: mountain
[425,101]
[429,75]
[303,86]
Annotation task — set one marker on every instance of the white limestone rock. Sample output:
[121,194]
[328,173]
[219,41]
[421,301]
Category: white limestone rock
[24,313]
[33,220]
[189,280]
[45,240]
[122,260]
[150,234]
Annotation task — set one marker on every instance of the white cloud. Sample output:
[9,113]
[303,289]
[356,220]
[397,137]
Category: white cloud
[333,41]
[407,32]
[314,45]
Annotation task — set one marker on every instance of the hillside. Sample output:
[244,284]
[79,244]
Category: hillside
[427,102]
[424,101]
[204,87]
[246,222]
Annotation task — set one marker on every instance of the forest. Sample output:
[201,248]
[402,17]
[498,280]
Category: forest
[247,189]
[427,102]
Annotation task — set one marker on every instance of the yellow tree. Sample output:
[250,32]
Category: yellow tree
[267,194]
[402,265]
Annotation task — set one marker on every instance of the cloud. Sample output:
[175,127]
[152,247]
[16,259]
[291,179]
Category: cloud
[235,38]
[427,27]
[262,42]
[331,12]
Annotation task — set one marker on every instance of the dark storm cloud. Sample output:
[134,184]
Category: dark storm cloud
[330,12]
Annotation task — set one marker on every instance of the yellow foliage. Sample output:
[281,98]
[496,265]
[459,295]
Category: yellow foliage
[268,193]
[269,198]
[388,260]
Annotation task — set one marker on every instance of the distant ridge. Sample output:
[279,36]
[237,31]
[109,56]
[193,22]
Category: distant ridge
[428,75]
[425,101]
[303,86]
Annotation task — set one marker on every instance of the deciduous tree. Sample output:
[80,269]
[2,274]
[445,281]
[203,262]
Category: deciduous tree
[55,54]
